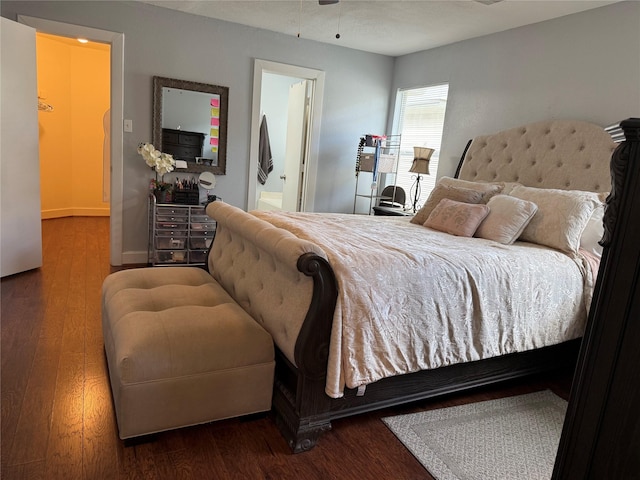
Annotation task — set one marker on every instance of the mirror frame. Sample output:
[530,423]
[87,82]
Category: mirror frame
[158,84]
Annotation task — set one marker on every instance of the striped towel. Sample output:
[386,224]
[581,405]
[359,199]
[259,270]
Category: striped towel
[265,160]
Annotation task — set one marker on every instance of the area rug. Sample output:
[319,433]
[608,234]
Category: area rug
[509,438]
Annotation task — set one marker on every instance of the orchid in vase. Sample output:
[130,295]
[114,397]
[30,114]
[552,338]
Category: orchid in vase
[161,162]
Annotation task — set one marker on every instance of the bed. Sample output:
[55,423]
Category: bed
[365,316]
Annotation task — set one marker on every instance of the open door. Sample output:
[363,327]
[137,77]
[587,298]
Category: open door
[315,78]
[21,227]
[296,144]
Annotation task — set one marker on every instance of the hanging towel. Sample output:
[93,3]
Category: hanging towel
[265,161]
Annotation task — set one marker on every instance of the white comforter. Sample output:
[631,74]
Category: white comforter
[411,298]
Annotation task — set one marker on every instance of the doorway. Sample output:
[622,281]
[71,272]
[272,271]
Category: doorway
[74,95]
[116,42]
[284,111]
[309,84]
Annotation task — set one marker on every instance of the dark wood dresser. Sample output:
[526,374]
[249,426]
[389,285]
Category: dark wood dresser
[182,145]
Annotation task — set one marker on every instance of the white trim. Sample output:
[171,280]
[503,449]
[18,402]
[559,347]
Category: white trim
[74,212]
[133,257]
[116,40]
[317,76]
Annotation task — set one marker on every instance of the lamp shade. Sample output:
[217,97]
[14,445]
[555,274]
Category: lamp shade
[421,156]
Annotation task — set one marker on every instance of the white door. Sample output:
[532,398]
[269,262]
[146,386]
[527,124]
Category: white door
[295,147]
[20,227]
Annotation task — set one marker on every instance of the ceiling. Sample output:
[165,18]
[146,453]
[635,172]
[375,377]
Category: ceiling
[388,27]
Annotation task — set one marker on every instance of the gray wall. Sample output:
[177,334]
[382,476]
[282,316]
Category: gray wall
[584,66]
[166,43]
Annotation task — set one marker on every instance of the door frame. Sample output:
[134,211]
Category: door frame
[311,168]
[116,40]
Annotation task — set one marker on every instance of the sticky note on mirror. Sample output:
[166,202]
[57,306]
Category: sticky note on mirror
[215,102]
[214,141]
[214,132]
[215,112]
[181,164]
[215,122]
[214,149]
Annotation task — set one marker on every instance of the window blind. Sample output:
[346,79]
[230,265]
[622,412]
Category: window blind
[420,120]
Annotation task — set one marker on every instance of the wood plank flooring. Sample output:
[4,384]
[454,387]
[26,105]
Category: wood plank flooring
[57,416]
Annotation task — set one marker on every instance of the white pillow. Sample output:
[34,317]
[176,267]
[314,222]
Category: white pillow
[593,233]
[508,217]
[561,217]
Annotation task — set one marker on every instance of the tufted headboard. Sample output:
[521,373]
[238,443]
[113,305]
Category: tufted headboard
[562,154]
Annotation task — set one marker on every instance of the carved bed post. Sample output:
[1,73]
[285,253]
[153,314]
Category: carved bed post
[600,435]
[312,347]
[299,403]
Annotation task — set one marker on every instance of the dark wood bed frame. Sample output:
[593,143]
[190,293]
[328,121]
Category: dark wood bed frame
[600,435]
[600,438]
[303,410]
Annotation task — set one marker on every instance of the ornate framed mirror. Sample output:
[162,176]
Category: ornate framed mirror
[190,122]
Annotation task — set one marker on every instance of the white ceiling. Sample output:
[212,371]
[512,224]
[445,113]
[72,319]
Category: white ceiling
[389,27]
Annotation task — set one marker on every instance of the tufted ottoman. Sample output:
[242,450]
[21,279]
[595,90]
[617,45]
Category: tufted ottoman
[180,351]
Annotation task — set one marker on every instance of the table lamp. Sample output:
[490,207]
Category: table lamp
[420,166]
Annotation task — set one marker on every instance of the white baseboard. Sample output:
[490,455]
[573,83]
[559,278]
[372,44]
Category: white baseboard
[135,258]
[74,212]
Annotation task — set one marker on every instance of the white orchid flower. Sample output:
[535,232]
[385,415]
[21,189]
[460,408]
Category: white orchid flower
[161,162]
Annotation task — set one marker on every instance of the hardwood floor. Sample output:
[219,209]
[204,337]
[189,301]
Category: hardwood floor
[57,415]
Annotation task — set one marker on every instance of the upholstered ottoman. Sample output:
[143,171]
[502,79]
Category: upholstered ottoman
[180,351]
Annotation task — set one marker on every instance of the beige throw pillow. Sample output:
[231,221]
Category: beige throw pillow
[484,187]
[561,217]
[457,218]
[508,186]
[508,216]
[503,187]
[465,195]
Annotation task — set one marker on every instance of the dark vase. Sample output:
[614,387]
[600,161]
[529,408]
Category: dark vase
[163,196]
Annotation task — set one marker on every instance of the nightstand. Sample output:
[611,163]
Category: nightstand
[392,212]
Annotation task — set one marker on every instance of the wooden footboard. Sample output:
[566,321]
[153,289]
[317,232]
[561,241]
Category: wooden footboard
[288,286]
[303,410]
[312,346]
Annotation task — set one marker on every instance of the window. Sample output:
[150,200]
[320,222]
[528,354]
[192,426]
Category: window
[419,118]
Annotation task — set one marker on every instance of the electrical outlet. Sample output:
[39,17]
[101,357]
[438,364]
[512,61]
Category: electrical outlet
[128,125]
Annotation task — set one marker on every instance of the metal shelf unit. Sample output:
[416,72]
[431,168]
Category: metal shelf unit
[377,155]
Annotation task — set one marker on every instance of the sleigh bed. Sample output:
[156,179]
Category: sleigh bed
[369,312]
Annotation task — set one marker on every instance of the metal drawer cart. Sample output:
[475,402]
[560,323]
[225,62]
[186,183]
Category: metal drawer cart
[179,234]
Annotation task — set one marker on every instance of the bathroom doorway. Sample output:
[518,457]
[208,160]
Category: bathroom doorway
[290,99]
[284,135]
